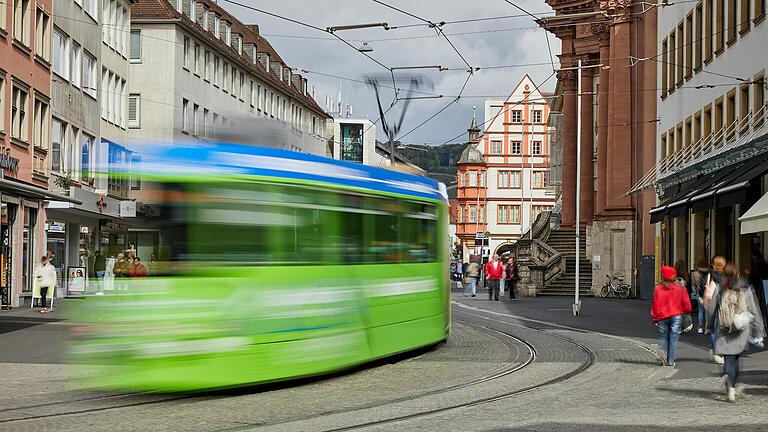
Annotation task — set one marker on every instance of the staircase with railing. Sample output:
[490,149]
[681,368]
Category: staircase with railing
[538,264]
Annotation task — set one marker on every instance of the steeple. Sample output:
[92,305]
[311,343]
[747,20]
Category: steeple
[474,131]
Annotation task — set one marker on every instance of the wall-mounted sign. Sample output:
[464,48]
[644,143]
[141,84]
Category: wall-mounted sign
[7,161]
[127,208]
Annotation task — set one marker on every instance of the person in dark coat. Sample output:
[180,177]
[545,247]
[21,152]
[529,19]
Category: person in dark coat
[732,297]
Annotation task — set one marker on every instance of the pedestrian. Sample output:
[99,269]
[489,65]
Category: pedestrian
[122,270]
[758,272]
[45,274]
[738,323]
[510,275]
[473,274]
[715,276]
[99,265]
[138,270]
[494,271]
[670,302]
[685,281]
[699,279]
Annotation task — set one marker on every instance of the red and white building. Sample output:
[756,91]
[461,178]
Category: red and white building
[515,147]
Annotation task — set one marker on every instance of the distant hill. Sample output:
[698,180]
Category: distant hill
[439,162]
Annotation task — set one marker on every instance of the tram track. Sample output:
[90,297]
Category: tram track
[18,415]
[128,400]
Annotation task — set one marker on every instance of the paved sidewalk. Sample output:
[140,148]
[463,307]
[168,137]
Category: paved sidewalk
[627,318]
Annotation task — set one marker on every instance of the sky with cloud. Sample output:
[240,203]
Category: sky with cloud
[512,40]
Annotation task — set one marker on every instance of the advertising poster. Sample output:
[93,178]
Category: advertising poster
[76,280]
[352,142]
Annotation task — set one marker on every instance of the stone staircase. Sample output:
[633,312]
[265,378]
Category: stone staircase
[564,241]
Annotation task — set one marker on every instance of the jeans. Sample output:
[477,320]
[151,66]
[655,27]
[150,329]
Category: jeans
[713,333]
[472,285]
[669,332]
[501,287]
[731,368]
[702,314]
[493,289]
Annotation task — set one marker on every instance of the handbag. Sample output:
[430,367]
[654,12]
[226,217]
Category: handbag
[687,324]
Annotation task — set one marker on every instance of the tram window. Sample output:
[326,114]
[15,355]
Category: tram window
[418,232]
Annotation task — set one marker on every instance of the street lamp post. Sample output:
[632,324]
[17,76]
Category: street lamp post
[576,301]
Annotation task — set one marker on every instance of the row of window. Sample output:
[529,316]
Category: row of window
[113,98]
[726,112]
[691,43]
[203,63]
[515,147]
[73,63]
[516,116]
[21,103]
[116,21]
[505,179]
[72,151]
[198,121]
[21,21]
[505,214]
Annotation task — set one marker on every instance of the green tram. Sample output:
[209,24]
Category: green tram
[271,265]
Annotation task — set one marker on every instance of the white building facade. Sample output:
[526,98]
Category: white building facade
[515,146]
[712,128]
[198,73]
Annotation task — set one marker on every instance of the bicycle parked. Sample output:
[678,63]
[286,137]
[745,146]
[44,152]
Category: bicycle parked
[620,289]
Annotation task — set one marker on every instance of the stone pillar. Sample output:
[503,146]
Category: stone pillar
[586,194]
[602,120]
[568,78]
[619,170]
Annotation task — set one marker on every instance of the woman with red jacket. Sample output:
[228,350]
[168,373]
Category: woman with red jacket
[670,302]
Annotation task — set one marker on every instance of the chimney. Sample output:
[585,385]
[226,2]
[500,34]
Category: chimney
[250,51]
[264,60]
[199,13]
[236,42]
[296,80]
[277,69]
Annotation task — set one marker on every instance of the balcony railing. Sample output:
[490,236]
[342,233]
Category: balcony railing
[733,135]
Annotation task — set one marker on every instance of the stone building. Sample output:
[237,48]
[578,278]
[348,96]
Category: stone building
[471,195]
[616,41]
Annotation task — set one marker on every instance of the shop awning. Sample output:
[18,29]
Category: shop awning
[756,218]
[726,187]
[32,191]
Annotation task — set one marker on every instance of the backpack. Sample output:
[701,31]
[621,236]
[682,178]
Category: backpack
[702,283]
[733,315]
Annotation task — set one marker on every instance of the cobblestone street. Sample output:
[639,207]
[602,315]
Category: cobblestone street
[525,365]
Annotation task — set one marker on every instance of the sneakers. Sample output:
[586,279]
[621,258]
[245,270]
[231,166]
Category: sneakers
[716,359]
[662,357]
[731,394]
[701,330]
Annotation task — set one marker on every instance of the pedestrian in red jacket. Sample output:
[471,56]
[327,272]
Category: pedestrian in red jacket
[670,302]
[494,271]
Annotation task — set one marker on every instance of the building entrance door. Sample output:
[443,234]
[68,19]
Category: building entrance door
[7,216]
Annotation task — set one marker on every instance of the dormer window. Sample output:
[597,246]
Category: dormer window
[193,10]
[217,26]
[180,5]
[228,35]
[205,18]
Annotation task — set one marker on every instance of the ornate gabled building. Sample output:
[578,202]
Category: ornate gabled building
[471,194]
[616,42]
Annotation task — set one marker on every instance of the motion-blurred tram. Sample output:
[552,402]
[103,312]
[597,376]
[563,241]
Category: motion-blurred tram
[271,265]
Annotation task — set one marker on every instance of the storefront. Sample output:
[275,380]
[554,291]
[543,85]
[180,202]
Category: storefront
[78,233]
[22,239]
[703,217]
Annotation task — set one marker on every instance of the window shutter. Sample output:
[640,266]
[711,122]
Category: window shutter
[135,45]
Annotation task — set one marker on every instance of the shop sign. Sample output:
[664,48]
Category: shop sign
[127,208]
[57,227]
[7,161]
